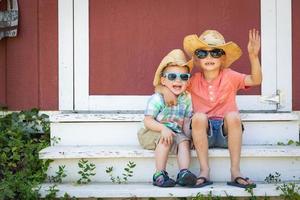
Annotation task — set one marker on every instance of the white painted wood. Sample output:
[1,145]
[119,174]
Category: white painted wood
[268,47]
[125,133]
[137,117]
[65,54]
[147,190]
[81,54]
[269,15]
[133,151]
[255,162]
[284,53]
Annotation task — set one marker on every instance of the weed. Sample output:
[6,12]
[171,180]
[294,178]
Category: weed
[60,174]
[273,178]
[86,171]
[291,191]
[126,174]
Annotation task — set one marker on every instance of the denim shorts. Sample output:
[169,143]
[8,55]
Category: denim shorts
[216,133]
[216,136]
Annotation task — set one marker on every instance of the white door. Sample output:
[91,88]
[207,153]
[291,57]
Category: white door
[74,61]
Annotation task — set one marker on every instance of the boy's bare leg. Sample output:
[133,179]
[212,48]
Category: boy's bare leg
[183,155]
[161,155]
[233,126]
[199,133]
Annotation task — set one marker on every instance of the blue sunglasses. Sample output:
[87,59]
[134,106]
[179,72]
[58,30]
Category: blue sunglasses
[173,76]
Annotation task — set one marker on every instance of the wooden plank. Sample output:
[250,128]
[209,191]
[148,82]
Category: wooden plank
[48,54]
[22,60]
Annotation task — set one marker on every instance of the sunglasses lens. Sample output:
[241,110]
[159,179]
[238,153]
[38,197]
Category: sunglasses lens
[201,53]
[171,76]
[217,53]
[184,77]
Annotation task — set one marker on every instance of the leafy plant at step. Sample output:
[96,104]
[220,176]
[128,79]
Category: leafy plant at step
[128,172]
[200,196]
[86,171]
[60,174]
[291,191]
[250,191]
[290,142]
[22,135]
[273,178]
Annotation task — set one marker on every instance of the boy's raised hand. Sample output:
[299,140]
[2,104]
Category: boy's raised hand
[254,42]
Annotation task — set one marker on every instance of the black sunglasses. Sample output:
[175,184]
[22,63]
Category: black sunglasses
[215,53]
[174,76]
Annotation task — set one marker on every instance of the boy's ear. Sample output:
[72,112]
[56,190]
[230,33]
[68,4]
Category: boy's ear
[162,80]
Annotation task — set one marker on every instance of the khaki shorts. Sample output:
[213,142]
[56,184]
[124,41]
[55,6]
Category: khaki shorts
[149,139]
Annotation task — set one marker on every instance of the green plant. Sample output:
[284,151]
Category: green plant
[22,135]
[60,174]
[200,196]
[127,173]
[250,190]
[291,191]
[52,191]
[86,171]
[273,178]
[290,142]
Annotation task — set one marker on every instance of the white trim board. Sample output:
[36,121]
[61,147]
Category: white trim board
[276,40]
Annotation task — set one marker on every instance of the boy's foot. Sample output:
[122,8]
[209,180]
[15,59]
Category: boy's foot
[186,178]
[242,182]
[238,180]
[162,179]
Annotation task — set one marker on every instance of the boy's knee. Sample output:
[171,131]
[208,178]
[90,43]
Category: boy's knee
[233,118]
[199,119]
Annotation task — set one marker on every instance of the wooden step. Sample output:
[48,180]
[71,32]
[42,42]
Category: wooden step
[121,128]
[147,190]
[257,162]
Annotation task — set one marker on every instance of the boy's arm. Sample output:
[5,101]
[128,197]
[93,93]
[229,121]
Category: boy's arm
[166,133]
[169,98]
[255,78]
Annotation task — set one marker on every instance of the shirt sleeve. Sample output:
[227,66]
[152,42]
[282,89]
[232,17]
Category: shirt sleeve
[154,105]
[238,79]
[189,106]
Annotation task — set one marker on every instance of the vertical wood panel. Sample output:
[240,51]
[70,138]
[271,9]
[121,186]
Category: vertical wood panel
[128,38]
[296,53]
[48,54]
[2,73]
[22,60]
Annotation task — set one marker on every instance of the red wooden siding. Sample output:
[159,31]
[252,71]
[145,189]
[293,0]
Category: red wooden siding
[31,59]
[296,53]
[128,38]
[29,63]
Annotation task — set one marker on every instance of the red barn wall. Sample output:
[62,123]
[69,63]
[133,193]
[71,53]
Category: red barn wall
[29,62]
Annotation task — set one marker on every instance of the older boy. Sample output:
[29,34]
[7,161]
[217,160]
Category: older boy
[216,122]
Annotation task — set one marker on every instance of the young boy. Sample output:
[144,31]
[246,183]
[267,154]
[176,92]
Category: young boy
[216,122]
[164,125]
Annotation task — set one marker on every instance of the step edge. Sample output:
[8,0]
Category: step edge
[109,190]
[96,152]
[119,117]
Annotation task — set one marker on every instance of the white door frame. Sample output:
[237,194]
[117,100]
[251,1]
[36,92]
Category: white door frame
[276,34]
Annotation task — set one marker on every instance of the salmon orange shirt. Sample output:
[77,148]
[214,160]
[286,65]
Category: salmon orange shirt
[218,97]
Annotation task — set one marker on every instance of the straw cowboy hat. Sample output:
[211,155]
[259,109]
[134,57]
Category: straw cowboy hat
[175,57]
[212,39]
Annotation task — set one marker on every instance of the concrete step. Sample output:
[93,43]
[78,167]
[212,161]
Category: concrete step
[147,190]
[257,162]
[121,129]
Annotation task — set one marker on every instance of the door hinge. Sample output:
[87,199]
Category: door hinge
[273,99]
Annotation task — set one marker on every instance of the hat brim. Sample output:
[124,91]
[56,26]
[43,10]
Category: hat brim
[232,50]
